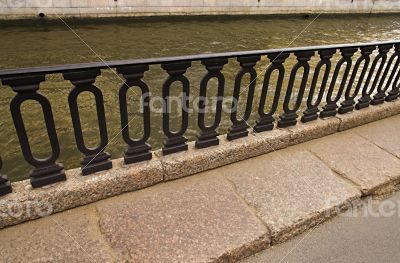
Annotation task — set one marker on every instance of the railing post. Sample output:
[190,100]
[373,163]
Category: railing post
[365,99]
[46,171]
[393,94]
[96,159]
[289,117]
[330,109]
[239,127]
[348,104]
[5,185]
[311,113]
[208,135]
[266,120]
[379,97]
[138,150]
[175,141]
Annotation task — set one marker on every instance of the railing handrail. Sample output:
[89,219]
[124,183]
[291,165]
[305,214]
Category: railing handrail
[151,61]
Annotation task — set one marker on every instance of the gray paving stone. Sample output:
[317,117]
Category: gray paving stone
[291,190]
[385,134]
[367,115]
[191,220]
[199,160]
[71,236]
[304,132]
[78,190]
[357,159]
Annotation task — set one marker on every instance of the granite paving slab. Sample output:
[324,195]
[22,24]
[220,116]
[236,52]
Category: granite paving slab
[191,220]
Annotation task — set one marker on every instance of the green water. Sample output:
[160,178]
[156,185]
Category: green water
[49,42]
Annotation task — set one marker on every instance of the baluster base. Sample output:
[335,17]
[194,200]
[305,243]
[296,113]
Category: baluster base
[237,131]
[310,114]
[51,174]
[363,102]
[330,110]
[5,185]
[264,124]
[347,106]
[379,98]
[173,145]
[207,139]
[138,154]
[287,120]
[92,163]
[392,95]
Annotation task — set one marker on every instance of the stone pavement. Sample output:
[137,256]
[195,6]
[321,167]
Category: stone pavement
[369,233]
[222,215]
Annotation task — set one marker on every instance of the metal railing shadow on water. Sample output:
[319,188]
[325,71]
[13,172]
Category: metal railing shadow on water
[356,80]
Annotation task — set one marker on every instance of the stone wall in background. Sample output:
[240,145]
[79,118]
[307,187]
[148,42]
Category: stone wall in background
[10,9]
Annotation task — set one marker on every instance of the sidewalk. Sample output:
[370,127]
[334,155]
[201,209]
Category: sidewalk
[367,234]
[221,215]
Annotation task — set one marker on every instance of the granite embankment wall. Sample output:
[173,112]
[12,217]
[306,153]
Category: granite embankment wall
[10,9]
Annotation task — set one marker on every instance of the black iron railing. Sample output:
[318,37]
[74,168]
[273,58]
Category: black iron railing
[361,83]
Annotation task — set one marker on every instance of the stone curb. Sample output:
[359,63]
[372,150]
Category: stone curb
[26,203]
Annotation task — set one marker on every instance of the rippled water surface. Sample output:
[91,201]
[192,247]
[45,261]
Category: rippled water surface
[49,42]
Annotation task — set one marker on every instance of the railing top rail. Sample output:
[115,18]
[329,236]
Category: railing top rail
[151,61]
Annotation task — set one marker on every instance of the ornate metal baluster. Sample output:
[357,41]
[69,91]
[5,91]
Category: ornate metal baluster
[381,89]
[311,113]
[266,120]
[138,150]
[95,159]
[208,135]
[348,103]
[393,94]
[175,141]
[5,185]
[288,118]
[365,99]
[46,171]
[330,109]
[239,127]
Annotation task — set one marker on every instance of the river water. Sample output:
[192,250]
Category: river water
[49,42]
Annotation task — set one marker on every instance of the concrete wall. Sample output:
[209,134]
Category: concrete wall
[93,8]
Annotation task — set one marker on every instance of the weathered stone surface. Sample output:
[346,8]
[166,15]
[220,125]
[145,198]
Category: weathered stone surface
[199,160]
[355,158]
[72,236]
[197,219]
[291,190]
[303,132]
[370,114]
[385,134]
[77,190]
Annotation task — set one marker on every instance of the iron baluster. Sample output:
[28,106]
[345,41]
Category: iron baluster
[311,113]
[239,127]
[175,141]
[330,109]
[266,120]
[96,159]
[46,171]
[348,104]
[393,94]
[208,134]
[138,150]
[5,185]
[289,117]
[379,80]
[365,99]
